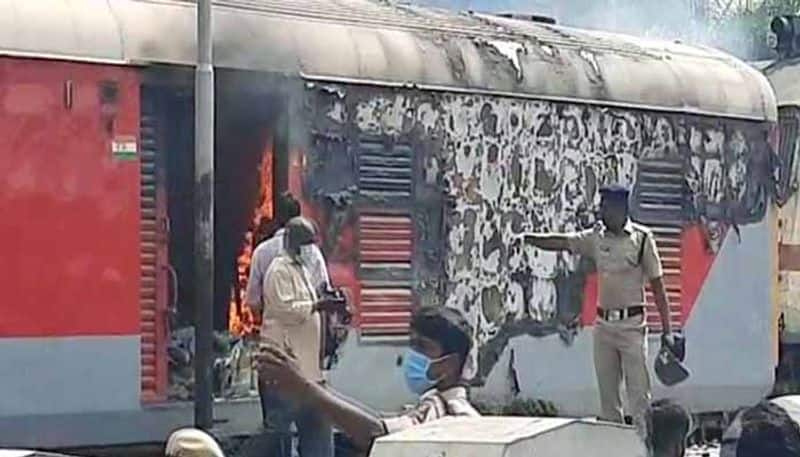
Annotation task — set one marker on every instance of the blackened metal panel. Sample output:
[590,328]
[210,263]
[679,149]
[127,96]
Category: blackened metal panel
[385,173]
[332,166]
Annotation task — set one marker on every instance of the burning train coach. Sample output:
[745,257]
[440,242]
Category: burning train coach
[421,142]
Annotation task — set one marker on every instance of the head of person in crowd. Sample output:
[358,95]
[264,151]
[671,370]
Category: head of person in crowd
[191,442]
[763,430]
[299,238]
[614,207]
[439,347]
[286,208]
[669,425]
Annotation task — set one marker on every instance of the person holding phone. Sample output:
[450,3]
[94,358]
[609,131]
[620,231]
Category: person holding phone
[292,320]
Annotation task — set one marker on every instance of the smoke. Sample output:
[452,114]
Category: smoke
[690,21]
[640,17]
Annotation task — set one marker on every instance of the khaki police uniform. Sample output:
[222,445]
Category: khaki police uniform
[620,337]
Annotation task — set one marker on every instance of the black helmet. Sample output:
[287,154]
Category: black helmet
[669,366]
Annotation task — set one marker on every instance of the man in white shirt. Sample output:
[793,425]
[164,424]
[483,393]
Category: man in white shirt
[292,321]
[276,422]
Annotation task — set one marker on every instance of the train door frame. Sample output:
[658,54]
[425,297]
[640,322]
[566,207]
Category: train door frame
[171,91]
[164,93]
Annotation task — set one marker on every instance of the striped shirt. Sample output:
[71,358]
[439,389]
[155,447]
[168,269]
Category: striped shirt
[433,405]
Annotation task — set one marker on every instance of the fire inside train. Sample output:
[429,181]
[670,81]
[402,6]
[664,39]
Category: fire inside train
[420,141]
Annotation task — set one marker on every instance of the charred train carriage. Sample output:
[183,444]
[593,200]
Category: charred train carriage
[421,141]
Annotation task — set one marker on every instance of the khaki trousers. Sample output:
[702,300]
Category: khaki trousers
[620,352]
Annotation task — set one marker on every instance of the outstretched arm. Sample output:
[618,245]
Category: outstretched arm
[280,370]
[547,242]
[577,242]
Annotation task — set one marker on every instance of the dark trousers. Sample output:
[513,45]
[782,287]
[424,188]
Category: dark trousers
[314,434]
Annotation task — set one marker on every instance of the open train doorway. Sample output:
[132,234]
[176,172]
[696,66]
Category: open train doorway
[250,171]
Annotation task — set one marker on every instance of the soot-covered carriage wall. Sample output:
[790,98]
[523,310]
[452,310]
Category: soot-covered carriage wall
[506,165]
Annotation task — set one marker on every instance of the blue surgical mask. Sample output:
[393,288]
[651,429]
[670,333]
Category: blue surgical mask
[415,370]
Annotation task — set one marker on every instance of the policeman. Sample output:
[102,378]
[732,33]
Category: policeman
[626,257]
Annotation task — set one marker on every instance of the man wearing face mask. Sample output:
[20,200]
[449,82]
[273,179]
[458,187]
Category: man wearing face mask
[292,322]
[433,368]
[286,208]
[626,257]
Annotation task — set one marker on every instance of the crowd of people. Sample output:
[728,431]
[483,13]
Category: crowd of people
[288,273]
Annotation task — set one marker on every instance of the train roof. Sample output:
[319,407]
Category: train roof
[784,75]
[387,43]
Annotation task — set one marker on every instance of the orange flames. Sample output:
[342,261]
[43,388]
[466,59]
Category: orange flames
[241,320]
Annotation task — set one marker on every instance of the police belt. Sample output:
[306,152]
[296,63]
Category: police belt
[620,314]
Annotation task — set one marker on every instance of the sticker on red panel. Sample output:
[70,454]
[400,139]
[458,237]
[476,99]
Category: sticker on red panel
[124,148]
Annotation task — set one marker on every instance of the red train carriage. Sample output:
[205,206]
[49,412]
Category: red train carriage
[420,140]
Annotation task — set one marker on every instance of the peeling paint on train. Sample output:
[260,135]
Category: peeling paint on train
[509,166]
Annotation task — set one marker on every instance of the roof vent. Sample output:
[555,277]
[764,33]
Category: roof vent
[528,17]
